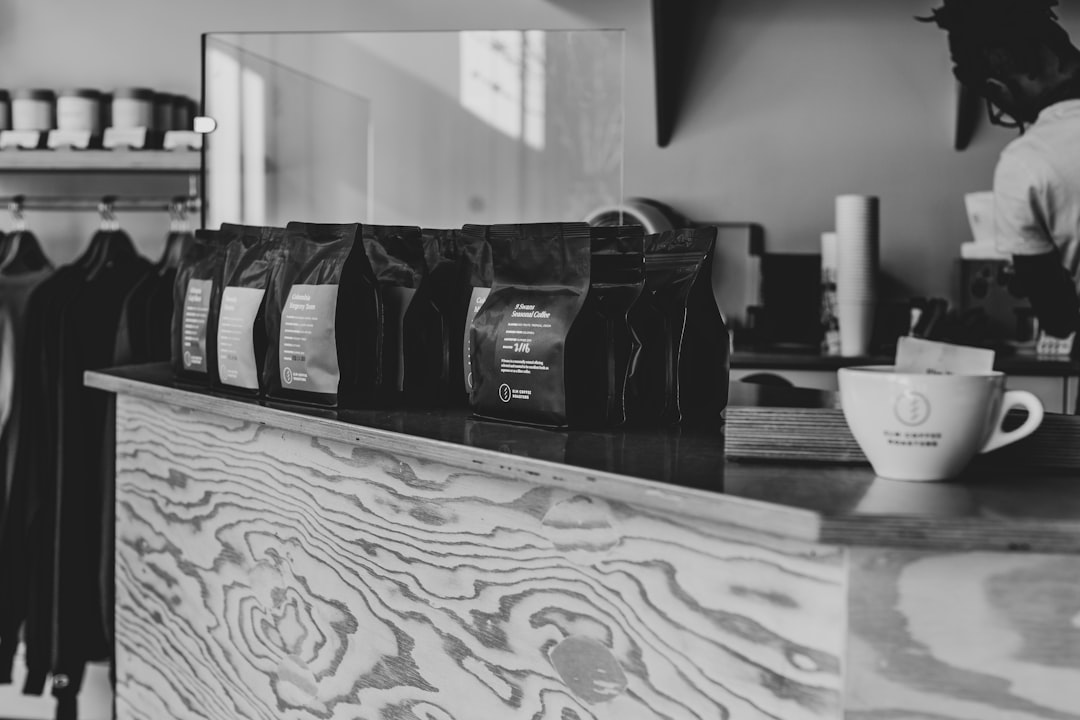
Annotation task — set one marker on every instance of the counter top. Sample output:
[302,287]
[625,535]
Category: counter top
[684,471]
[1015,364]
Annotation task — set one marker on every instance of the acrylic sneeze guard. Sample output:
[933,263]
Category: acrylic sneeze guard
[435,129]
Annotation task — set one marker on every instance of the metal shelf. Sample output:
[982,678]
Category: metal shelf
[99,161]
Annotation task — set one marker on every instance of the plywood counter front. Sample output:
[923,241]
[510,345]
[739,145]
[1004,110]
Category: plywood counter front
[272,563]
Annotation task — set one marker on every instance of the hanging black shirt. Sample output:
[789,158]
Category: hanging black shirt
[15,291]
[88,329]
[51,537]
[26,537]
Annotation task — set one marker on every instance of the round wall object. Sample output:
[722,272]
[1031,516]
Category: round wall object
[652,215]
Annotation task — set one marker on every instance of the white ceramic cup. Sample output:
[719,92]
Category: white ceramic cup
[923,427]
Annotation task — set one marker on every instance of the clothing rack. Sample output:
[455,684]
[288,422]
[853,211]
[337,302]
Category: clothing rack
[187,203]
[179,207]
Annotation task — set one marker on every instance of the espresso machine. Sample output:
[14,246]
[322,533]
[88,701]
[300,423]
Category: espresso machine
[988,291]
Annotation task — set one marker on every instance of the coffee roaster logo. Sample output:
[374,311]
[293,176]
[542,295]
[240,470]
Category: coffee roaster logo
[504,393]
[912,408]
[287,375]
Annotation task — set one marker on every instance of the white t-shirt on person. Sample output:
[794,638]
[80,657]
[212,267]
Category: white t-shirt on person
[1037,185]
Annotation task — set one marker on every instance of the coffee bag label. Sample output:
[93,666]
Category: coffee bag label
[527,324]
[235,337]
[396,302]
[196,319]
[524,366]
[479,297]
[527,340]
[307,349]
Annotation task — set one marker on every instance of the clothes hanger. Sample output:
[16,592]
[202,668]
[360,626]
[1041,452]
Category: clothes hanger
[101,236]
[18,223]
[179,232]
[110,244]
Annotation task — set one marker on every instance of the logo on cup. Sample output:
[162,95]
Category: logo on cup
[912,408]
[287,376]
[504,393]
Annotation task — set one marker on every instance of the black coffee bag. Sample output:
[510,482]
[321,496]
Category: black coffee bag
[196,292]
[523,361]
[477,276]
[252,256]
[396,256]
[616,281]
[426,328]
[682,372]
[322,319]
[455,262]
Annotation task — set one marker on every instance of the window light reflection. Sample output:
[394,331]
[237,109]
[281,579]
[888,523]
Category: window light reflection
[503,81]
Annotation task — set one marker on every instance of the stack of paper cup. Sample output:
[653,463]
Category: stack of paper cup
[857,237]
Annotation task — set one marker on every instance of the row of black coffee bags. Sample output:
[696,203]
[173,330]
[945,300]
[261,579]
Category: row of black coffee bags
[558,324]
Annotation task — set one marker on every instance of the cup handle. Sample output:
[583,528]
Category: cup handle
[1013,399]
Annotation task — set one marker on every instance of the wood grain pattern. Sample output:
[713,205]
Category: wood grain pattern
[154,382]
[267,573]
[1021,509]
[964,636]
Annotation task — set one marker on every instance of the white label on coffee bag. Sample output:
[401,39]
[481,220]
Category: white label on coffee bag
[479,297]
[235,341]
[196,319]
[307,349]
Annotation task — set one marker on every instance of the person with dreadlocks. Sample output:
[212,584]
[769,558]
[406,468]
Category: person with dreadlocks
[1015,55]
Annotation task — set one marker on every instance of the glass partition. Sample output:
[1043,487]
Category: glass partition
[435,129]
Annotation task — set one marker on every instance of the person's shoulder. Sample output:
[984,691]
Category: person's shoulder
[1049,136]
[1026,160]
[1020,146]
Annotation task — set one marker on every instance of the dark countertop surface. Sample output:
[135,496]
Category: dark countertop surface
[684,471]
[1012,364]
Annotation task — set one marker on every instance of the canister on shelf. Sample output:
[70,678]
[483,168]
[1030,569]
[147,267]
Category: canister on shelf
[183,112]
[163,111]
[133,107]
[33,109]
[106,109]
[5,110]
[79,109]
